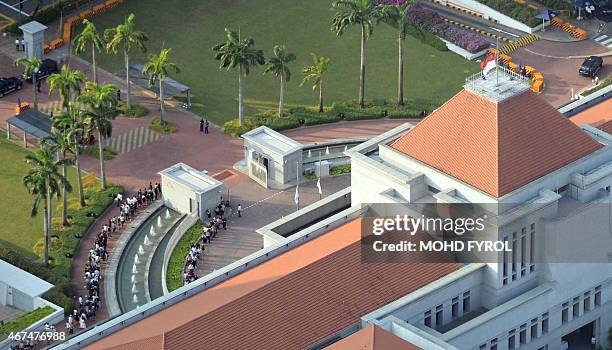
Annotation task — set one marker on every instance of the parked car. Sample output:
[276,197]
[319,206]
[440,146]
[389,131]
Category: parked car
[8,85]
[590,66]
[47,68]
[603,10]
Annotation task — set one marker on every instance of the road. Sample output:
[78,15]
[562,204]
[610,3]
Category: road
[13,10]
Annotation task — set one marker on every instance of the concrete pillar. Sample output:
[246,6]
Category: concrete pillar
[8,130]
[25,139]
[34,37]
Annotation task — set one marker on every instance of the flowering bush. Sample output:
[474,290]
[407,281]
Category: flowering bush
[422,17]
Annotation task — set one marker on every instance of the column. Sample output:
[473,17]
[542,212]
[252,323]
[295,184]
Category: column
[8,130]
[25,139]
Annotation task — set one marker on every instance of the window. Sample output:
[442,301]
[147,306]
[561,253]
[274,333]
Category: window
[598,296]
[586,303]
[523,334]
[545,323]
[439,319]
[514,262]
[511,340]
[576,307]
[523,252]
[493,344]
[564,313]
[466,302]
[483,347]
[455,308]
[532,248]
[428,319]
[562,188]
[534,328]
[505,262]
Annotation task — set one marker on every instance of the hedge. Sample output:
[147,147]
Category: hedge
[601,85]
[519,12]
[176,264]
[350,111]
[24,321]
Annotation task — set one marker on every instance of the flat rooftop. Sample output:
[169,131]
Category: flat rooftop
[198,181]
[274,140]
[498,85]
[291,301]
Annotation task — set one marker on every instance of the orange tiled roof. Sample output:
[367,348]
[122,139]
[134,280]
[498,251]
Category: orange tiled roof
[291,301]
[496,147]
[372,338]
[607,127]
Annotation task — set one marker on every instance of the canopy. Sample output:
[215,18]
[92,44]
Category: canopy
[32,122]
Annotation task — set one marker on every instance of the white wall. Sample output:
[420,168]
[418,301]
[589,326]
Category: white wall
[176,196]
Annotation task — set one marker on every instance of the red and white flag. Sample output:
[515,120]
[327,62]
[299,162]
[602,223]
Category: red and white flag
[319,185]
[488,64]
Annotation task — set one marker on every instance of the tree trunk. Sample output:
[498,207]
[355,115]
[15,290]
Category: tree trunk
[363,68]
[35,90]
[101,150]
[400,71]
[77,157]
[64,195]
[281,102]
[46,233]
[240,97]
[162,121]
[127,79]
[321,96]
[93,62]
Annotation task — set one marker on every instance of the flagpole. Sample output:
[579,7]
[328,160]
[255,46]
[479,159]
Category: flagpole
[297,186]
[319,179]
[497,61]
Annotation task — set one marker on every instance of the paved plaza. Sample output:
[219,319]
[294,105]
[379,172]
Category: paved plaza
[9,313]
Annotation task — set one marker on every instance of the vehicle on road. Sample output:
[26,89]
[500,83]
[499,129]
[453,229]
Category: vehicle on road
[8,85]
[590,66]
[603,10]
[47,68]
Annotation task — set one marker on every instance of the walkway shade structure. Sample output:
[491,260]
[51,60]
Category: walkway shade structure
[31,122]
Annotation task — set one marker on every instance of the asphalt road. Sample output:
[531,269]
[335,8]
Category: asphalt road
[11,8]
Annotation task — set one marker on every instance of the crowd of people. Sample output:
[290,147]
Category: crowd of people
[215,220]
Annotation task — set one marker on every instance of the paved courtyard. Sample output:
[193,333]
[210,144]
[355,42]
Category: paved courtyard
[9,313]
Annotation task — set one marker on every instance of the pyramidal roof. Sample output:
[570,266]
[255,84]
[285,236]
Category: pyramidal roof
[496,146]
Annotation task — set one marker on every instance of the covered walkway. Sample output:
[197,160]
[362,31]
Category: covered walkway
[30,122]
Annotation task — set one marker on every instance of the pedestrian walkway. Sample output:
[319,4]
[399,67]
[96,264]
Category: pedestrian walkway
[604,40]
[133,139]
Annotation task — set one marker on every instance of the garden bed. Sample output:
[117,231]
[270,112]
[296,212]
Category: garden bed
[514,10]
[24,321]
[176,264]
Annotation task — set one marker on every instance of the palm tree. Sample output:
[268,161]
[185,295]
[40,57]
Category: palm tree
[102,103]
[67,83]
[126,37]
[60,143]
[315,74]
[238,52]
[277,65]
[32,66]
[43,180]
[395,16]
[89,36]
[71,121]
[364,13]
[157,69]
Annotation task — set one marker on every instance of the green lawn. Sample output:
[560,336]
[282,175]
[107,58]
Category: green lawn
[191,28]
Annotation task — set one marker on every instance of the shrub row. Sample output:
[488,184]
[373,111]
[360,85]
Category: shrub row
[601,85]
[174,273]
[23,321]
[350,111]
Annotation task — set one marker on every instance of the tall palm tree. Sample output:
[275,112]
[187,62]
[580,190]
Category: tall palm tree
[277,65]
[125,36]
[60,143]
[362,13]
[72,122]
[32,65]
[89,36]
[157,70]
[103,107]
[42,181]
[67,83]
[315,74]
[238,52]
[395,16]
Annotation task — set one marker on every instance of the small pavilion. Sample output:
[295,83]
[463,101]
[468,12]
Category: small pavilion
[30,122]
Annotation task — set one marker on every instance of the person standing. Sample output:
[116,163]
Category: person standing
[206,127]
[17,45]
[202,125]
[239,210]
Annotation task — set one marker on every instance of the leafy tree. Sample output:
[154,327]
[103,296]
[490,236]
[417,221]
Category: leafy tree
[43,180]
[60,143]
[103,107]
[362,13]
[157,70]
[277,66]
[238,52]
[71,121]
[32,65]
[125,36]
[315,74]
[67,83]
[395,16]
[89,36]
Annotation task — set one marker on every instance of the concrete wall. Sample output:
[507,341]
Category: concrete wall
[177,196]
[281,170]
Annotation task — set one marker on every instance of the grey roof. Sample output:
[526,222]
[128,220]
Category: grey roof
[23,281]
[33,122]
[171,86]
[32,27]
[272,140]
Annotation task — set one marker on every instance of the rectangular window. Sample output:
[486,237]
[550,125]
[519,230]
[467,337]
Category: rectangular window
[514,257]
[576,307]
[565,313]
[439,316]
[523,334]
[534,329]
[455,308]
[428,319]
[523,253]
[511,340]
[493,344]
[466,302]
[586,302]
[483,347]
[545,323]
[532,248]
[598,296]
[505,262]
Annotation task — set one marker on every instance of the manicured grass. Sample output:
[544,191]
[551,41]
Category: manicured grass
[340,169]
[23,321]
[174,273]
[192,28]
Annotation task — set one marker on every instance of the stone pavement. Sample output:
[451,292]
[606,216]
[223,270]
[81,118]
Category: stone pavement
[9,313]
